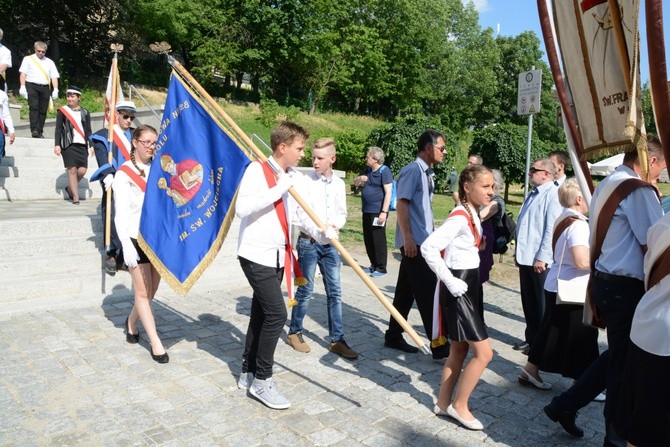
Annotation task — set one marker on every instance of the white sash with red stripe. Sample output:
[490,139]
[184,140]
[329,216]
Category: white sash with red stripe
[122,142]
[76,124]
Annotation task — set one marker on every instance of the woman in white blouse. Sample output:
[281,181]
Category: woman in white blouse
[458,273]
[563,344]
[129,185]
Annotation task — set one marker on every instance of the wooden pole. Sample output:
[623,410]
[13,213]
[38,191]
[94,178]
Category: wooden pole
[424,346]
[569,122]
[658,72]
[110,140]
[624,60]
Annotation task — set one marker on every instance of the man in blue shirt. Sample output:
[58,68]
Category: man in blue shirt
[534,230]
[416,281]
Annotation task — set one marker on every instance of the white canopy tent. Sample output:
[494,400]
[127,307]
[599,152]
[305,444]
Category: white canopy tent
[608,165]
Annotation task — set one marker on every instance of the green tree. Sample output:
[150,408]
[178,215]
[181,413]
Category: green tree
[504,147]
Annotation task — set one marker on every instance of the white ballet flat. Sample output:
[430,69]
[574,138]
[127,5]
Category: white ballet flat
[527,379]
[439,411]
[470,425]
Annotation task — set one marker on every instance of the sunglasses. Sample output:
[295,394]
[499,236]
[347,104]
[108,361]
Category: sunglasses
[128,117]
[533,170]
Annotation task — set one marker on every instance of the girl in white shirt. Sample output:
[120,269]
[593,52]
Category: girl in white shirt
[129,185]
[457,269]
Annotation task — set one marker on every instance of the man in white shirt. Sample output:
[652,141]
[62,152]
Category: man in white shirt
[37,74]
[561,160]
[5,63]
[6,123]
[265,254]
[326,196]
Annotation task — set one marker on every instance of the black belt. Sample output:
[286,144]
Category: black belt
[304,235]
[617,278]
[35,83]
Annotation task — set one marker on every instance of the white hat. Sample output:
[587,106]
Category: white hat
[127,106]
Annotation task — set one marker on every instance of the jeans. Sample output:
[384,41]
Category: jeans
[311,254]
[616,301]
[266,322]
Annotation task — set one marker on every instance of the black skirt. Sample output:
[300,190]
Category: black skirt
[464,313]
[75,155]
[563,345]
[144,259]
[644,413]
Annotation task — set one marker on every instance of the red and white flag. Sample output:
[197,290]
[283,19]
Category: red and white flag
[110,101]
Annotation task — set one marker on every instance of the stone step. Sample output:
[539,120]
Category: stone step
[52,251]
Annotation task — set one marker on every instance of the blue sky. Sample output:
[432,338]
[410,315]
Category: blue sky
[515,16]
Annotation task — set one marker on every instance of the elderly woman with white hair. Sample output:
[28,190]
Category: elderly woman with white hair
[563,344]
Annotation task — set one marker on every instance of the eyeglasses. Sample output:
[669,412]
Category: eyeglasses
[128,117]
[533,170]
[439,148]
[147,143]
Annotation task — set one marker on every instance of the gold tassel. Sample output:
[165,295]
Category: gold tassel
[292,302]
[441,340]
[300,281]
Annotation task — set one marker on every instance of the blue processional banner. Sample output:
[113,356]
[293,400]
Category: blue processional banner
[192,185]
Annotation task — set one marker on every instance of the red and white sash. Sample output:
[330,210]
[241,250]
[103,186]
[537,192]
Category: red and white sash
[439,337]
[121,142]
[135,177]
[68,113]
[291,266]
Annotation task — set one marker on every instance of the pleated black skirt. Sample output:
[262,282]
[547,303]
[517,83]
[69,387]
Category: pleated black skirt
[464,313]
[643,417]
[563,345]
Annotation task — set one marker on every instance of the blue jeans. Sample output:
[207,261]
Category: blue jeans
[311,254]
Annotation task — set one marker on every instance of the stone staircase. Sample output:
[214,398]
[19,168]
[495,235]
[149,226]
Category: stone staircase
[52,251]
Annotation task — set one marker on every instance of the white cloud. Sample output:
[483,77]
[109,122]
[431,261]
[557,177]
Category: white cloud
[481,5]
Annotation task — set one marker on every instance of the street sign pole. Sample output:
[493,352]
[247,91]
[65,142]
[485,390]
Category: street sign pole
[528,103]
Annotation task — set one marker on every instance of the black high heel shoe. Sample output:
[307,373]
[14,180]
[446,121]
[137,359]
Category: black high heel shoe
[163,358]
[131,338]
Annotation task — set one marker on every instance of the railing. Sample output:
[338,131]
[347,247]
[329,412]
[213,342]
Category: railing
[260,140]
[131,89]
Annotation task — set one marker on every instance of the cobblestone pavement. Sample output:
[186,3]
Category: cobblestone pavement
[67,377]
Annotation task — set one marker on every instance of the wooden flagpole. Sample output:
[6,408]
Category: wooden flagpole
[116,48]
[658,72]
[624,61]
[424,346]
[569,122]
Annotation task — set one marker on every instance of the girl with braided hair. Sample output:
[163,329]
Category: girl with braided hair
[129,186]
[452,252]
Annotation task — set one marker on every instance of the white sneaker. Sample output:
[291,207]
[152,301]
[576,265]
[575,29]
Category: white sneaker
[267,393]
[244,382]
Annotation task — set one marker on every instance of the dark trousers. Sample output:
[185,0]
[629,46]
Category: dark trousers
[532,299]
[266,322]
[375,242]
[587,387]
[38,103]
[616,298]
[114,248]
[416,281]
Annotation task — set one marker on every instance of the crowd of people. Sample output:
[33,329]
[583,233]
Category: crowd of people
[619,255]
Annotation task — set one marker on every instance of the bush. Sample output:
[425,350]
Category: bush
[272,113]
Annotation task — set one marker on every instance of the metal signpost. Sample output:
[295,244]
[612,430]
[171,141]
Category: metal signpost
[528,103]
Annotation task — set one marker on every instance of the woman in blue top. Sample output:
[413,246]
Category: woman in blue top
[377,182]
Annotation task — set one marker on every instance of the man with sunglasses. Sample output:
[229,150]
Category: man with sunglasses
[38,74]
[533,254]
[120,149]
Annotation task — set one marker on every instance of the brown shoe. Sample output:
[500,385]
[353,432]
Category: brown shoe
[342,349]
[296,342]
